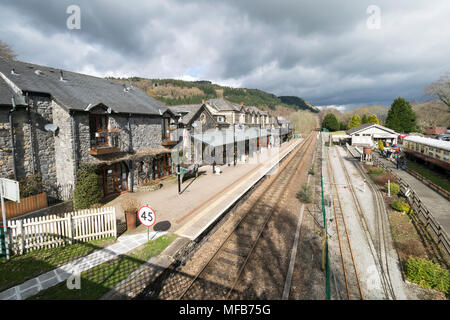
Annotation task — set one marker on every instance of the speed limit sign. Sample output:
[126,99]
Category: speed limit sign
[147,216]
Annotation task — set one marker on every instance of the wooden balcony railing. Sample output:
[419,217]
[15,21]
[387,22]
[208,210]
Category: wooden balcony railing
[105,142]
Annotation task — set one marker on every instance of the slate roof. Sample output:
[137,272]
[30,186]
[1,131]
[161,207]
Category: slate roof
[223,105]
[367,125]
[6,93]
[187,111]
[77,91]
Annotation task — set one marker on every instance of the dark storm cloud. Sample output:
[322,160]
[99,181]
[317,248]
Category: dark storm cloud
[319,50]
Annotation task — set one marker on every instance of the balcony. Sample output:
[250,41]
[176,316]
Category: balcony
[171,139]
[105,142]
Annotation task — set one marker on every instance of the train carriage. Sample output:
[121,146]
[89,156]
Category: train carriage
[429,150]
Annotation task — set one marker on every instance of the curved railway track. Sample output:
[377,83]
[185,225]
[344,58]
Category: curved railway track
[377,242]
[218,277]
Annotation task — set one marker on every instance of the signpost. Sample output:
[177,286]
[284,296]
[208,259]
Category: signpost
[147,217]
[9,189]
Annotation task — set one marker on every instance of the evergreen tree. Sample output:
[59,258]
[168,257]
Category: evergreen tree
[355,121]
[401,117]
[373,119]
[330,122]
[364,119]
[380,145]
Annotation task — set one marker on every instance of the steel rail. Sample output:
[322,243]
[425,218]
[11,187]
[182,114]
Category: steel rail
[346,232]
[239,223]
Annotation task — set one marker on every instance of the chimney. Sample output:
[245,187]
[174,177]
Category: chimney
[61,77]
[203,101]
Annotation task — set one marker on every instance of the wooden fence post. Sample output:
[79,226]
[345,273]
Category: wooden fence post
[70,223]
[20,236]
[114,222]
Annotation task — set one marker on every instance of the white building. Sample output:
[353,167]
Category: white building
[368,134]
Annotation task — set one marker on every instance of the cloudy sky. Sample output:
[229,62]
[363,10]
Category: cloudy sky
[327,52]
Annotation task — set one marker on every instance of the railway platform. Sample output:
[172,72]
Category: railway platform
[435,203]
[206,198]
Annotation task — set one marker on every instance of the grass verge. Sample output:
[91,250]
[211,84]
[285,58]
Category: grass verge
[429,174]
[32,264]
[99,280]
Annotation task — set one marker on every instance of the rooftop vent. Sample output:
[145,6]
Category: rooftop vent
[38,72]
[61,76]
[126,88]
[14,72]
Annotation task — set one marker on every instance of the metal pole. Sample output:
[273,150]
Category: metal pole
[178,166]
[5,228]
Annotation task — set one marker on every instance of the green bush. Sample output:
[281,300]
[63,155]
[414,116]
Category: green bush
[305,194]
[395,188]
[87,190]
[31,185]
[428,274]
[401,206]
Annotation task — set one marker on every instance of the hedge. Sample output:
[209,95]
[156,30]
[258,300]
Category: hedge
[428,274]
[87,190]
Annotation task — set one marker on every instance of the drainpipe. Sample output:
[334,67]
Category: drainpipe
[11,126]
[130,149]
[130,142]
[30,122]
[74,147]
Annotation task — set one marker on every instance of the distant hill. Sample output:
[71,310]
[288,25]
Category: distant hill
[299,102]
[176,92]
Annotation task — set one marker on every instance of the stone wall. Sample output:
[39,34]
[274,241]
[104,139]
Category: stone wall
[34,146]
[6,160]
[64,158]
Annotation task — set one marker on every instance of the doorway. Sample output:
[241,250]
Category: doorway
[115,179]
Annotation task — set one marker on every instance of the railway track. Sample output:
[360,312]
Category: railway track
[351,276]
[381,241]
[221,273]
[377,242]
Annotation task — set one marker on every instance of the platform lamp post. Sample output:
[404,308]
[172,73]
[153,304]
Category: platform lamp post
[178,160]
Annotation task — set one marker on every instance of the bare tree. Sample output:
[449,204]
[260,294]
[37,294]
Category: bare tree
[440,89]
[6,51]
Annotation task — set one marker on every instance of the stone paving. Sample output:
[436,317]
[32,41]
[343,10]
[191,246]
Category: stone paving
[31,287]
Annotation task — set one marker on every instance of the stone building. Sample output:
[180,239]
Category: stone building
[52,121]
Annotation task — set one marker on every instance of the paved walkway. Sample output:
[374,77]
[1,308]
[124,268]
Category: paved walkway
[31,287]
[435,203]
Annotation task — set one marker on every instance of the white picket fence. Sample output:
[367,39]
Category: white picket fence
[53,230]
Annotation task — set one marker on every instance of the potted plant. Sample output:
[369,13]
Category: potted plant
[130,206]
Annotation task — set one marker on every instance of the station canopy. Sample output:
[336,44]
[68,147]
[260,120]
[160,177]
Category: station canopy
[217,138]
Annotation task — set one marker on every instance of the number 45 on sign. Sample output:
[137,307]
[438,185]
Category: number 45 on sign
[147,217]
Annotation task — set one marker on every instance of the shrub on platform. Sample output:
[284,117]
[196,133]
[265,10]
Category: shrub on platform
[428,274]
[305,194]
[395,188]
[401,206]
[87,190]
